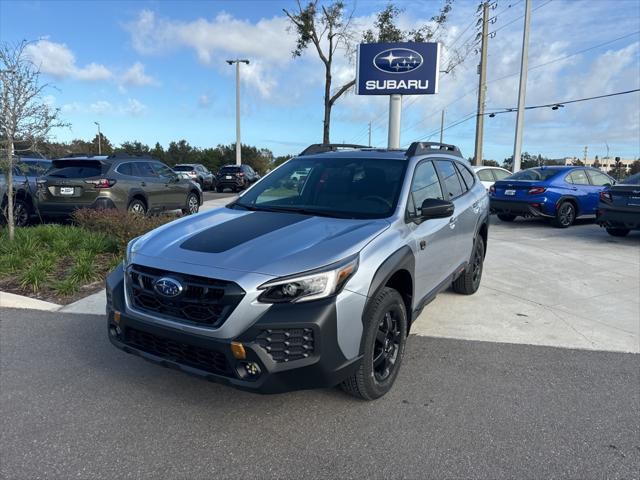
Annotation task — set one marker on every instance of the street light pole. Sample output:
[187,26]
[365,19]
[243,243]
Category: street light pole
[99,139]
[517,145]
[237,63]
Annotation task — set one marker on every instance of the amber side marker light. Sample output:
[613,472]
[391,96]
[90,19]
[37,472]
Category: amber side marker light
[238,350]
[116,316]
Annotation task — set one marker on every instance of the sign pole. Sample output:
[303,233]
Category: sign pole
[395,113]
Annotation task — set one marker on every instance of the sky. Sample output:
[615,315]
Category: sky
[156,71]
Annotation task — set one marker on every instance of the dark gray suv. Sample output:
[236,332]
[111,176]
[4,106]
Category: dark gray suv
[133,183]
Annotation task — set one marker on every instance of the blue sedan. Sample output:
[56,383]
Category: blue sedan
[561,194]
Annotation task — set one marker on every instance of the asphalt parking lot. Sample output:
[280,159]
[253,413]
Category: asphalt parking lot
[496,399]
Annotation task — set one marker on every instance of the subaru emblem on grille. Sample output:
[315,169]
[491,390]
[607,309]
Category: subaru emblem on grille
[168,287]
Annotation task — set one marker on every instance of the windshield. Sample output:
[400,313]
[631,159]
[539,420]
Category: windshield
[333,187]
[632,180]
[534,174]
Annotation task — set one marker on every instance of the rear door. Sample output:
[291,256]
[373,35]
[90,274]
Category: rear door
[599,181]
[175,191]
[431,239]
[152,185]
[583,191]
[69,181]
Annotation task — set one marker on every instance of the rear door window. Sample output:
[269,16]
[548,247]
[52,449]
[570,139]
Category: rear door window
[467,176]
[76,169]
[578,177]
[449,178]
[599,179]
[485,175]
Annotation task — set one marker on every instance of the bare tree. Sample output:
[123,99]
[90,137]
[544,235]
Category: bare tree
[329,28]
[25,118]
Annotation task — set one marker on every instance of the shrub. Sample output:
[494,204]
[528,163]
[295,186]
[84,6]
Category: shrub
[120,226]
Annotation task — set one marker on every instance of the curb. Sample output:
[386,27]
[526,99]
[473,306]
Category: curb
[93,304]
[11,300]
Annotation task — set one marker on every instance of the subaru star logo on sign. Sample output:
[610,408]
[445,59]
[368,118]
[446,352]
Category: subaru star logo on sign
[168,287]
[397,68]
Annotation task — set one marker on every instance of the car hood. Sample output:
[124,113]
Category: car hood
[268,243]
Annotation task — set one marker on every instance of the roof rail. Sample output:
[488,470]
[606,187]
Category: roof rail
[422,148]
[329,147]
[129,155]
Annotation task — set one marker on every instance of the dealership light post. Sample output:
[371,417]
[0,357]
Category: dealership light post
[237,63]
[99,139]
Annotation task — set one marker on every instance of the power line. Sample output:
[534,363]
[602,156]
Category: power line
[511,5]
[518,18]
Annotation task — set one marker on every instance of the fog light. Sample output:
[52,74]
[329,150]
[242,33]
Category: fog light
[114,331]
[252,369]
[238,350]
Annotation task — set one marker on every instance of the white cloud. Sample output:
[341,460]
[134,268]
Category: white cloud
[58,60]
[204,101]
[132,107]
[136,76]
[101,107]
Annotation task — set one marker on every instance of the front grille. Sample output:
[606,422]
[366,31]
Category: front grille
[203,301]
[201,358]
[287,344]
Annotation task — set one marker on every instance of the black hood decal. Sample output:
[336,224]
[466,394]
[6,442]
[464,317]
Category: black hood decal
[235,232]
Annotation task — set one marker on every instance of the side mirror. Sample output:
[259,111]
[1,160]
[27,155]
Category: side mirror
[436,208]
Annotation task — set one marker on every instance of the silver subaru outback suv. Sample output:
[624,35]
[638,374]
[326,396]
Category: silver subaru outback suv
[312,277]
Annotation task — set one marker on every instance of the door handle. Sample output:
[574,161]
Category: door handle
[452,222]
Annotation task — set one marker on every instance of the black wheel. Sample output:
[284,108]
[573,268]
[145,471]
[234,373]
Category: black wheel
[219,189]
[505,217]
[193,204]
[137,206]
[385,336]
[618,232]
[469,280]
[21,213]
[565,215]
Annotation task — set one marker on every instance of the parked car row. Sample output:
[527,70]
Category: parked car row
[140,184]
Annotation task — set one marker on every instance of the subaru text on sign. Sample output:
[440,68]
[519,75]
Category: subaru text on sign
[397,68]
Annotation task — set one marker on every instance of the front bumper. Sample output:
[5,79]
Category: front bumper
[618,218]
[264,344]
[518,208]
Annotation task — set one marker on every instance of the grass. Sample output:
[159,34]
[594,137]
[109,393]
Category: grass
[56,262]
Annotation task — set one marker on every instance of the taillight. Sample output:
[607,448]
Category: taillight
[240,174]
[537,190]
[605,196]
[101,183]
[492,189]
[192,172]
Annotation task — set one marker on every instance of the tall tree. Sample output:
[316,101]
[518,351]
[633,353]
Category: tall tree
[329,28]
[25,117]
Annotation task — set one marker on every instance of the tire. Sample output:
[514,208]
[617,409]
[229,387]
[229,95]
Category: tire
[565,215]
[137,206]
[192,204]
[219,189]
[505,217]
[618,232]
[469,280]
[21,213]
[385,337]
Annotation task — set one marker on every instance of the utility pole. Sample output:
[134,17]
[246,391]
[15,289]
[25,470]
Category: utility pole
[586,149]
[441,125]
[99,139]
[369,134]
[395,113]
[482,87]
[517,146]
[237,63]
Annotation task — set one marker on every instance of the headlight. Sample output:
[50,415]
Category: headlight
[311,285]
[129,251]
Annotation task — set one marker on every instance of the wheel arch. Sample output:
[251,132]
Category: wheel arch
[396,272]
[137,194]
[569,198]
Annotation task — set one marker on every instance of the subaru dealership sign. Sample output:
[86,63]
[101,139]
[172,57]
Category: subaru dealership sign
[397,68]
